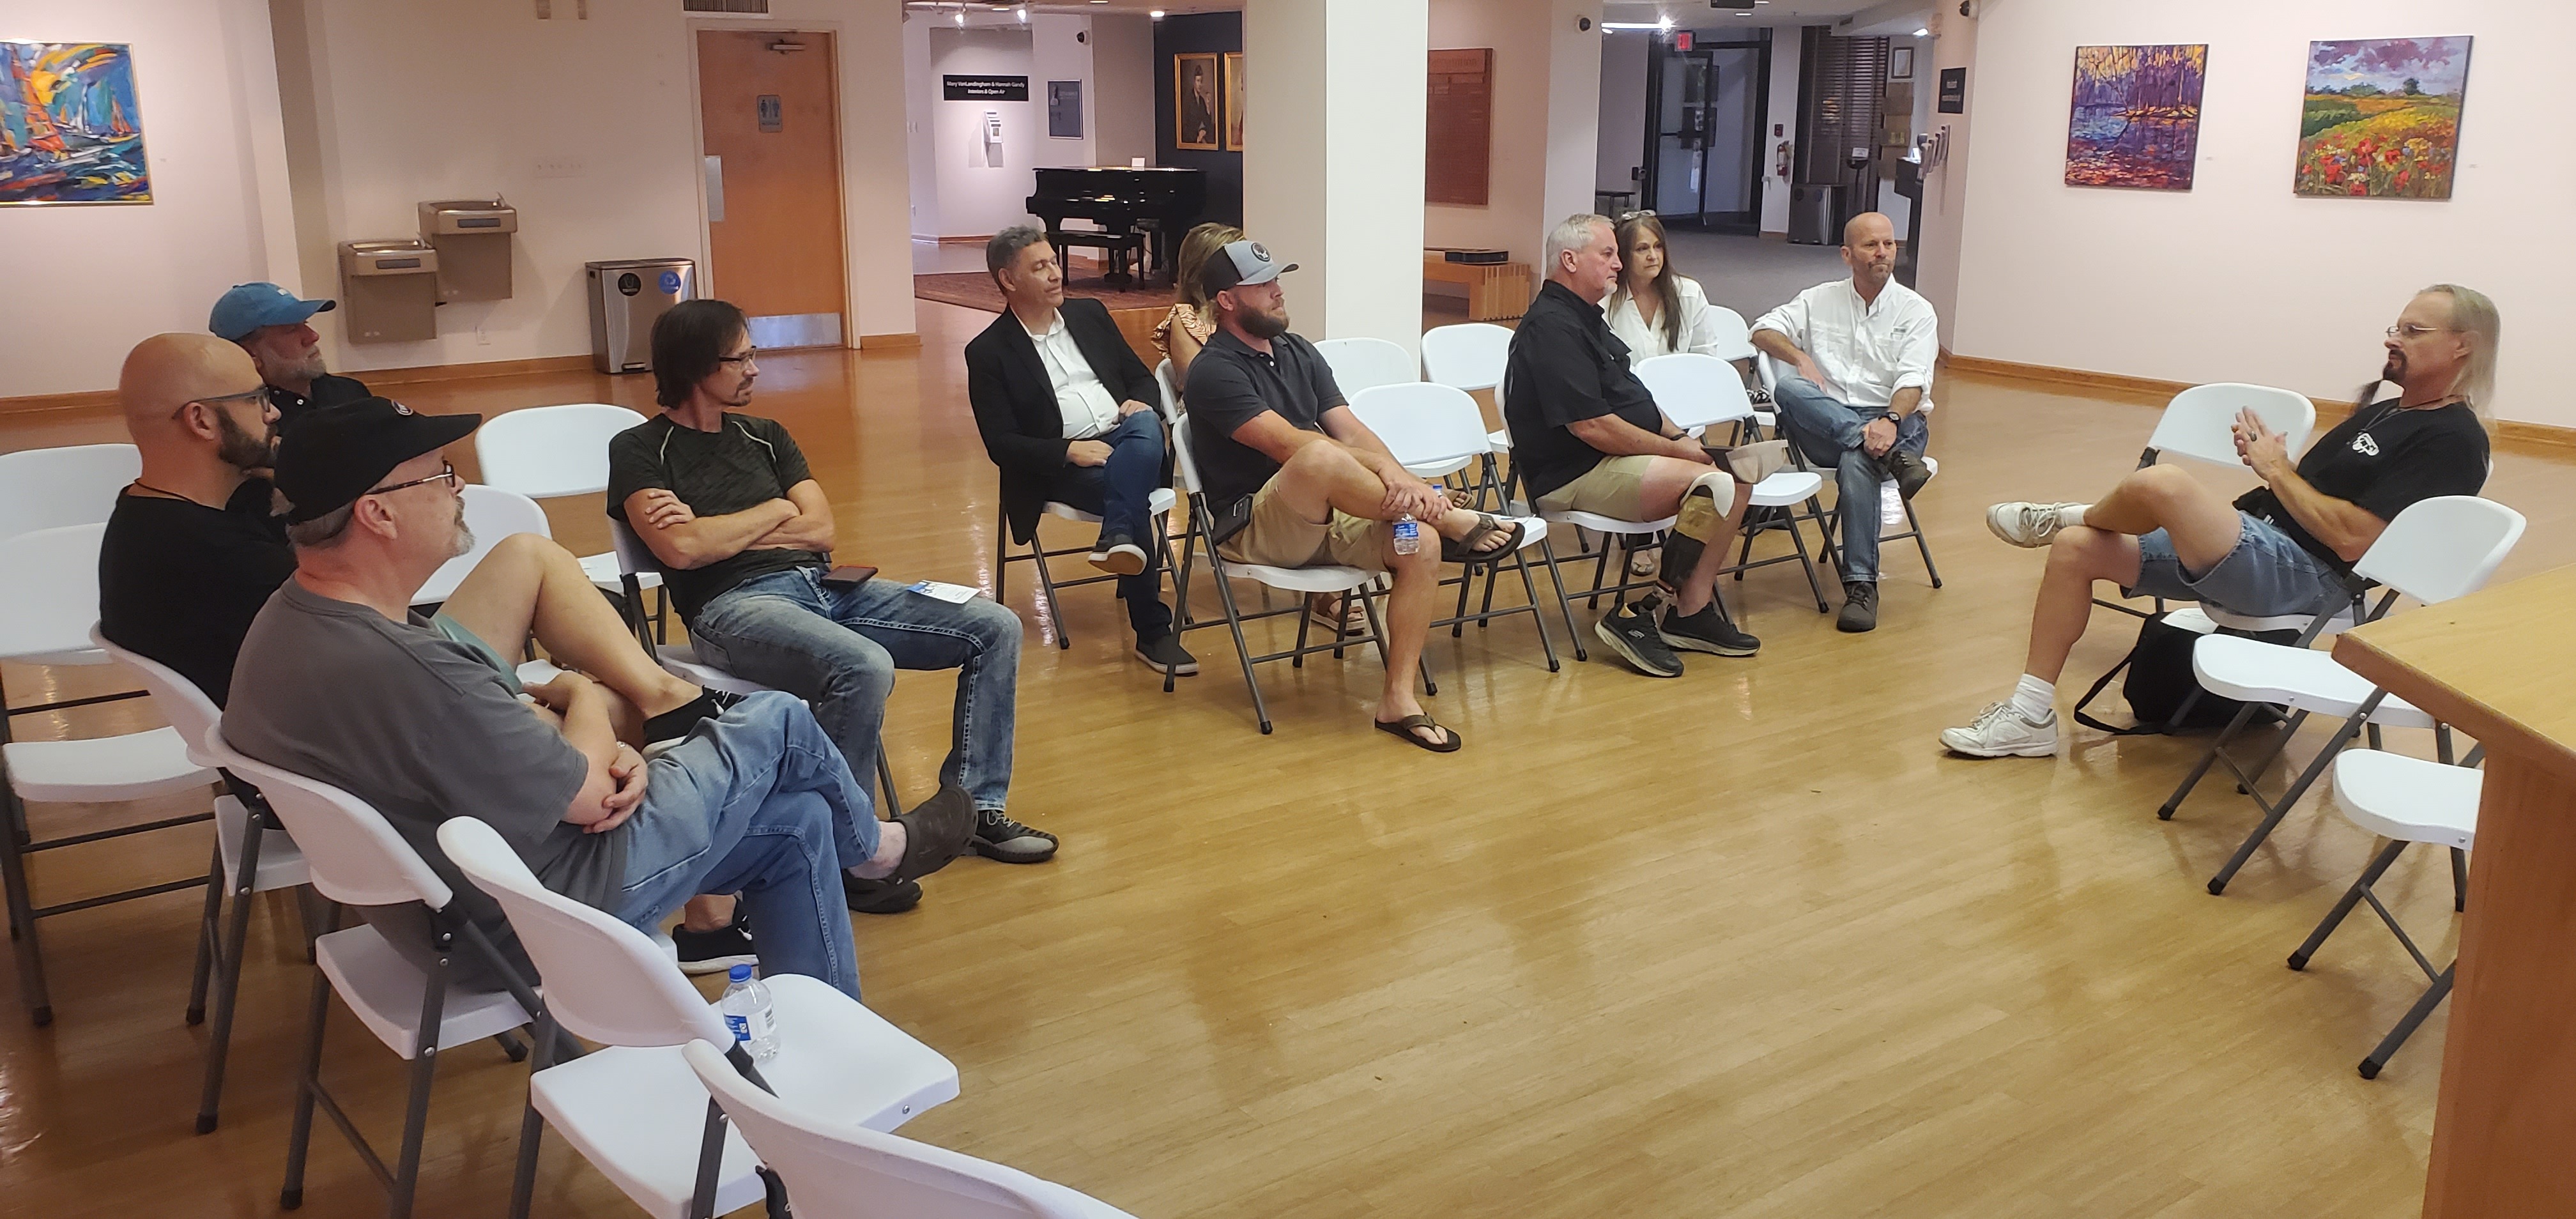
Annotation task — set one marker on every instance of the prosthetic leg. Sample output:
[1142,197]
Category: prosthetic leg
[1702,512]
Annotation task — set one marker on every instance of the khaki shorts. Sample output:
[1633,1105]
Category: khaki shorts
[1614,488]
[1277,537]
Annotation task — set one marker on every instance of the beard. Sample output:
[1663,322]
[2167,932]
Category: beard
[464,535]
[2395,369]
[240,449]
[1265,325]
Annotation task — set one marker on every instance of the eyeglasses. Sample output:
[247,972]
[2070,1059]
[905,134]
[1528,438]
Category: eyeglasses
[2409,330]
[1640,214]
[248,395]
[750,358]
[446,474]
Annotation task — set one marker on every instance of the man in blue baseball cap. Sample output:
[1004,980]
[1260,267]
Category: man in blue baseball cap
[273,325]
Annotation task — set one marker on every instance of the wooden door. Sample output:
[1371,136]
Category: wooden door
[769,118]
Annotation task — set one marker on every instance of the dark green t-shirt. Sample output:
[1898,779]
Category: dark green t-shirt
[748,462]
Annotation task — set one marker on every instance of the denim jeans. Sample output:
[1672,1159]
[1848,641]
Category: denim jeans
[1117,492]
[756,802]
[838,648]
[1829,433]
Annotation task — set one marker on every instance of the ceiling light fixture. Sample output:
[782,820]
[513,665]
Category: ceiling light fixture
[1158,14]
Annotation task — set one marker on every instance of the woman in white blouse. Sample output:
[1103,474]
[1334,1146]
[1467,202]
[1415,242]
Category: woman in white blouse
[1655,310]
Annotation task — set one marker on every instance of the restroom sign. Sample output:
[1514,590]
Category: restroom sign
[773,113]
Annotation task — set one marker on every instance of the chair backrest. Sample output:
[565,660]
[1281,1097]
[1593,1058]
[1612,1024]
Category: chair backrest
[1729,334]
[2198,422]
[2444,547]
[1695,390]
[493,514]
[1185,462]
[355,857]
[179,700]
[547,451]
[840,1170]
[49,595]
[72,485]
[634,558]
[1169,383]
[1425,424]
[1469,355]
[604,980]
[1361,364]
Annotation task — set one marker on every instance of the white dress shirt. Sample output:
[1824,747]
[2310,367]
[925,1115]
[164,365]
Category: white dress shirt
[1870,349]
[1088,409]
[1646,341]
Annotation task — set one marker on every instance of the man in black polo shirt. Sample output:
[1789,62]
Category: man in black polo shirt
[1586,437]
[276,329]
[1294,478]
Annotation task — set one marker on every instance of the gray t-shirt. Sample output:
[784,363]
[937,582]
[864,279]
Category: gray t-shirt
[422,728]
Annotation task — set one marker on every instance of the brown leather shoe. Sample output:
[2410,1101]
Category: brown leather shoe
[935,832]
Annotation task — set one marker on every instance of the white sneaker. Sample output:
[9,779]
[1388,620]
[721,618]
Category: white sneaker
[2001,732]
[2023,523]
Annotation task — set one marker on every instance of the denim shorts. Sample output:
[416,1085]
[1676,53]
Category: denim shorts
[2266,575]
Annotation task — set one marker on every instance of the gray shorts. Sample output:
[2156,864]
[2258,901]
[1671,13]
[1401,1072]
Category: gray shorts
[2266,575]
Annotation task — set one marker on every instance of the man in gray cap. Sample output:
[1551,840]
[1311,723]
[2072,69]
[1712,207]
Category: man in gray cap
[1294,479]
[274,326]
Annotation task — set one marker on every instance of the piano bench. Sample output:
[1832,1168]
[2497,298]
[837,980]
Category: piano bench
[1121,248]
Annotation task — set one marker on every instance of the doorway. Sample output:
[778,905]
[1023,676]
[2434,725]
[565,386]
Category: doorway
[1706,103]
[769,128]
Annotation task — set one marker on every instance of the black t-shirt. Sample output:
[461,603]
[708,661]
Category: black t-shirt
[329,389]
[1230,385]
[179,582]
[746,463]
[1566,367]
[2384,458]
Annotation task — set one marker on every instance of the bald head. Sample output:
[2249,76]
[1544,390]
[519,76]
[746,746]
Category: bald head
[1869,249]
[195,393]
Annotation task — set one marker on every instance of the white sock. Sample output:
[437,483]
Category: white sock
[2036,700]
[2072,514]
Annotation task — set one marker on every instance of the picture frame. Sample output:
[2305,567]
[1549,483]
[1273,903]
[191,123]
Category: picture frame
[1234,101]
[78,139]
[1900,63]
[1196,113]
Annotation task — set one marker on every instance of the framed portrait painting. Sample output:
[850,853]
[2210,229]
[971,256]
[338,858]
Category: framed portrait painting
[1234,101]
[1194,101]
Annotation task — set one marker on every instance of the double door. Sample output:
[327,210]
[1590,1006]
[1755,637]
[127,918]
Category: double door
[1705,110]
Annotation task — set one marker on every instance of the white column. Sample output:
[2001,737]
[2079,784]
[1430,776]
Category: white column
[1332,166]
[1573,110]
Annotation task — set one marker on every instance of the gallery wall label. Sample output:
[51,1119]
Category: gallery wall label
[984,88]
[1954,91]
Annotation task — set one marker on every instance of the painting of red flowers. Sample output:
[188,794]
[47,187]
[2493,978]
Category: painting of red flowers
[2383,118]
[2135,120]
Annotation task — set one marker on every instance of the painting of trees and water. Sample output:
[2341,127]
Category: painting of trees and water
[2382,118]
[2136,116]
[70,131]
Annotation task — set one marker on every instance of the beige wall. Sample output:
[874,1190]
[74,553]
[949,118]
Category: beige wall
[1547,89]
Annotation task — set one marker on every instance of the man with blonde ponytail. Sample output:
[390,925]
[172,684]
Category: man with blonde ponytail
[2285,547]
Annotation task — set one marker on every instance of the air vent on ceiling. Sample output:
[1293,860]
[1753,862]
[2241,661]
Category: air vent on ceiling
[760,7]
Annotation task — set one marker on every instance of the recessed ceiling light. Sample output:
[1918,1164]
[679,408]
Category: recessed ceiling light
[1158,14]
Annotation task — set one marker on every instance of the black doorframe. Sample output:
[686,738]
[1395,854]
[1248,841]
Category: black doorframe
[1649,185]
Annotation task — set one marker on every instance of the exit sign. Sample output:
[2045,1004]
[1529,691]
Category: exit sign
[1681,40]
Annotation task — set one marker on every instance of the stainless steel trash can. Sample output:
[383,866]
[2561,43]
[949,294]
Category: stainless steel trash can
[625,296]
[1812,215]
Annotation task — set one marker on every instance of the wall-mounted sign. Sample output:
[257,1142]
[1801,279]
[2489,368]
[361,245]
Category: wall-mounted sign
[984,88]
[773,114]
[1954,90]
[1064,109]
[1681,40]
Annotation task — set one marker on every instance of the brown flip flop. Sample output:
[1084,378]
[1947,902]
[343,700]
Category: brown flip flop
[935,833]
[1463,550]
[1404,728]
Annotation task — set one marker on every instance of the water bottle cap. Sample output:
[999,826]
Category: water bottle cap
[739,973]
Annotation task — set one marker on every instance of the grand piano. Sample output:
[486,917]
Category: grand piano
[1138,210]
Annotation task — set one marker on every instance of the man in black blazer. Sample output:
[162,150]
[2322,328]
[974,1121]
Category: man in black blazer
[1062,402]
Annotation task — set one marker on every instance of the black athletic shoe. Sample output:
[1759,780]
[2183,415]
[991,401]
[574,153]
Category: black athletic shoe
[1630,631]
[676,722]
[1860,607]
[999,837]
[1908,469]
[1706,631]
[1165,649]
[713,952]
[880,896]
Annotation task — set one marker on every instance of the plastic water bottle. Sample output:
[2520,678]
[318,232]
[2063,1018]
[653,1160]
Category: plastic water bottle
[747,1012]
[1408,535]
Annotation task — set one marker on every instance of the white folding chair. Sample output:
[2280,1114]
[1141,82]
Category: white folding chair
[834,1170]
[253,854]
[1360,364]
[1167,385]
[356,859]
[493,514]
[1471,356]
[1615,535]
[1731,338]
[1699,393]
[633,1109]
[2436,550]
[2404,801]
[48,603]
[550,452]
[1158,505]
[1434,431]
[1348,581]
[2199,424]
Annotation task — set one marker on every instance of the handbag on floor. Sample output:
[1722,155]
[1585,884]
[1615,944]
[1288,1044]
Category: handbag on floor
[2161,691]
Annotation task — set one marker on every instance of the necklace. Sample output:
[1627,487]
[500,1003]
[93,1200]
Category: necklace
[141,485]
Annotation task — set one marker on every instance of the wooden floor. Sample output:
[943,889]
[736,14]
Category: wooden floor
[1742,944]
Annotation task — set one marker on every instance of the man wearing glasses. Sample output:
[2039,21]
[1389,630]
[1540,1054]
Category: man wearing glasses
[2285,547]
[744,535]
[275,327]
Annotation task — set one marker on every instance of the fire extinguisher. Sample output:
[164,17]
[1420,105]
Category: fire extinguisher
[1780,168]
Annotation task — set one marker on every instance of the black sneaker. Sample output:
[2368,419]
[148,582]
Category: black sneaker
[713,952]
[880,896]
[999,837]
[678,721]
[1908,469]
[1118,554]
[1165,650]
[1860,607]
[1630,631]
[1706,631]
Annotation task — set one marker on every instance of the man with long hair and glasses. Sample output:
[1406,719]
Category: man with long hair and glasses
[2281,548]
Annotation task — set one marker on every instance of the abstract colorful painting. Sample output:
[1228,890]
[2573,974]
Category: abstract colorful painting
[2136,116]
[69,128]
[2383,118]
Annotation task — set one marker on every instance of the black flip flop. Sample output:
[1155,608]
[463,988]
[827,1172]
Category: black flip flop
[1404,728]
[1461,552]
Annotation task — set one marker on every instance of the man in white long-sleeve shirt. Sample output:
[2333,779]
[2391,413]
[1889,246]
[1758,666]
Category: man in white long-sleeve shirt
[1854,389]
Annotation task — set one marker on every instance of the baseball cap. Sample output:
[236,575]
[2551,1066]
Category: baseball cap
[334,454]
[1240,262]
[247,307]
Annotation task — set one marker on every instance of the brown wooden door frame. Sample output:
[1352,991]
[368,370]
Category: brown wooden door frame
[801,330]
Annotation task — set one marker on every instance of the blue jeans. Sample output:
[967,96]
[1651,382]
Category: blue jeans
[838,648]
[756,802]
[1117,493]
[1829,433]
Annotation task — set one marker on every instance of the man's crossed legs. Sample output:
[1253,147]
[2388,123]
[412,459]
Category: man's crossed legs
[1834,435]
